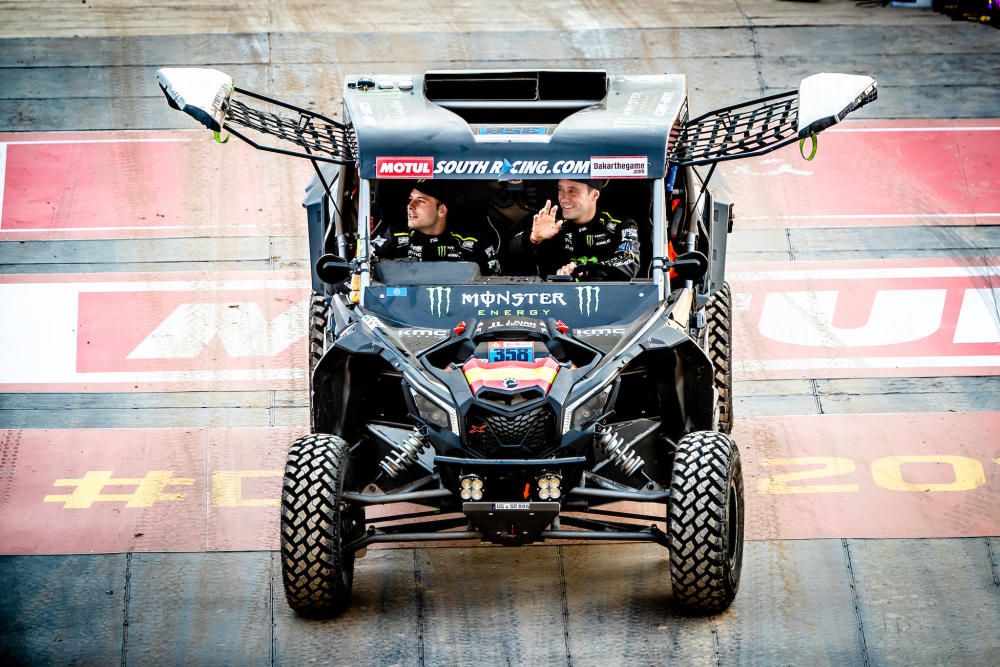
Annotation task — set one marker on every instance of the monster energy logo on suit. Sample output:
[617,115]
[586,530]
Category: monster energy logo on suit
[442,250]
[588,296]
[440,300]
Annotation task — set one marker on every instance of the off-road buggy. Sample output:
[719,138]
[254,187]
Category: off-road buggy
[516,408]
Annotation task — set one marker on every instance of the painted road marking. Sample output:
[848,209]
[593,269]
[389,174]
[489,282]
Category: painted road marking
[148,184]
[89,489]
[158,184]
[136,332]
[820,476]
[870,174]
[245,330]
[970,218]
[3,177]
[825,319]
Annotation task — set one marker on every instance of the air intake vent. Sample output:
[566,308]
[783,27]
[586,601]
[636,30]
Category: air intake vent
[516,96]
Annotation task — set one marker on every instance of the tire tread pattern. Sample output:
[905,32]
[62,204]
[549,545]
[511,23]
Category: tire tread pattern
[316,576]
[705,464]
[720,351]
[318,312]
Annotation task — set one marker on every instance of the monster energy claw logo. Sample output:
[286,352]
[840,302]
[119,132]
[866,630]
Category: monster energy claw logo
[588,299]
[442,250]
[440,296]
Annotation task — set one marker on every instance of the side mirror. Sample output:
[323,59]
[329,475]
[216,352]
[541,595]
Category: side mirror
[825,99]
[333,270]
[690,265]
[201,93]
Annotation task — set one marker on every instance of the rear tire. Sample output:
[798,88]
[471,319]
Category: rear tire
[315,525]
[318,312]
[719,313]
[705,522]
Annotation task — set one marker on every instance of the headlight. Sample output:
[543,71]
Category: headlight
[434,412]
[581,413]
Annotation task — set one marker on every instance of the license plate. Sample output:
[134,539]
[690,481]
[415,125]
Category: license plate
[511,506]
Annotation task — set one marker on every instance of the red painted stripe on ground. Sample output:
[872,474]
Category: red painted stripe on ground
[246,330]
[903,475]
[875,174]
[154,332]
[145,184]
[857,319]
[180,183]
[824,476]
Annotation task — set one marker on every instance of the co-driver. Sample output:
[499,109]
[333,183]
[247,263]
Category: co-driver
[428,238]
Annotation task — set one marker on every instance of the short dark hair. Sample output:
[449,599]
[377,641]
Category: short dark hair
[437,189]
[595,183]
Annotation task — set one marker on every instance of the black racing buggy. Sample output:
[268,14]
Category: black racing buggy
[516,408]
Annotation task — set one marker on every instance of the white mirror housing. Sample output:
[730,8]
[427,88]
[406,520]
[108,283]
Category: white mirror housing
[825,99]
[201,93]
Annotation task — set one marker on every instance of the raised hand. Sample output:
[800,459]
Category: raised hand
[544,225]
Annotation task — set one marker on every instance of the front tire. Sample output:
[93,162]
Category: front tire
[315,525]
[705,522]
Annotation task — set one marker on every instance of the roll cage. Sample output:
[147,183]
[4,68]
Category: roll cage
[543,111]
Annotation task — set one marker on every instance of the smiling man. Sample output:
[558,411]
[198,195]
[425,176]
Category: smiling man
[428,239]
[585,244]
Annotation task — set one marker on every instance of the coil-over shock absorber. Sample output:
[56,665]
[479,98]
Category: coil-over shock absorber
[619,452]
[404,455]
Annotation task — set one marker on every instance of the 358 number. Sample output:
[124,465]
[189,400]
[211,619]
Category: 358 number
[510,354]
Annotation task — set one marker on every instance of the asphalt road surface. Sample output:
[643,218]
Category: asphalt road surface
[138,492]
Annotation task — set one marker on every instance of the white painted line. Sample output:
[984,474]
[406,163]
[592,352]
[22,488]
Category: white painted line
[100,141]
[133,228]
[242,375]
[858,216]
[160,286]
[92,229]
[984,361]
[857,274]
[949,128]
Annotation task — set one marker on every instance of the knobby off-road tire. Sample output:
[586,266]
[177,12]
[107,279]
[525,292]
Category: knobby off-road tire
[705,522]
[315,524]
[318,312]
[719,314]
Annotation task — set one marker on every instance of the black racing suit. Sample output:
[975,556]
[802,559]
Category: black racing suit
[447,246]
[603,249]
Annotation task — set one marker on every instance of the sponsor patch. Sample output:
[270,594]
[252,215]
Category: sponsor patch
[510,169]
[618,166]
[404,167]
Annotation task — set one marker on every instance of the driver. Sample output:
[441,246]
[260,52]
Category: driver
[586,244]
[428,238]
